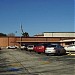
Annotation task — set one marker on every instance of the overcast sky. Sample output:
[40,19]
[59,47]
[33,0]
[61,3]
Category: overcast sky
[36,16]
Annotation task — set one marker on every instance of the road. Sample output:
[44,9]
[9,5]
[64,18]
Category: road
[21,62]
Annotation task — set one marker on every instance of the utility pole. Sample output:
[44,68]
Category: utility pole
[8,40]
[21,36]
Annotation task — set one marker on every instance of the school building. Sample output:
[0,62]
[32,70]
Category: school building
[63,38]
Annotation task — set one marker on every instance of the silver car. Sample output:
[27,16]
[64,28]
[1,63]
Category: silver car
[55,49]
[30,47]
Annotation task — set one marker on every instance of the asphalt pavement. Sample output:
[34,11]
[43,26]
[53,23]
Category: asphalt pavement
[21,62]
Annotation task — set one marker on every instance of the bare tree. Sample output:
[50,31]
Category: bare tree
[11,34]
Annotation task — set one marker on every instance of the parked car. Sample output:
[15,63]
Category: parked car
[40,48]
[23,47]
[12,47]
[55,49]
[70,48]
[30,47]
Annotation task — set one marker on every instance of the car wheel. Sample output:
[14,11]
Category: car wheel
[39,53]
[0,48]
[30,50]
[8,47]
[47,54]
[15,47]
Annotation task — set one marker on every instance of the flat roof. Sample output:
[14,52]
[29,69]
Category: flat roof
[68,40]
[58,32]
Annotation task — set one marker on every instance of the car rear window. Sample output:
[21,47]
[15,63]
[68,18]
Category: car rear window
[42,45]
[30,46]
[72,45]
[51,45]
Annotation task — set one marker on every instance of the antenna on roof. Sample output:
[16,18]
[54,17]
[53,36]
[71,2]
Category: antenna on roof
[22,29]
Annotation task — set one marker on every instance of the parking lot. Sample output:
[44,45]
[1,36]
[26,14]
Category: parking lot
[21,62]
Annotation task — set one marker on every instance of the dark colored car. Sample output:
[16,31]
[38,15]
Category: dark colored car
[40,48]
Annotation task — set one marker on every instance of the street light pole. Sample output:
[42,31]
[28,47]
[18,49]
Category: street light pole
[21,36]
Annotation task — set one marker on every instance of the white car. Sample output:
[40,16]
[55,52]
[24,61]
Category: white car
[30,47]
[12,47]
[55,49]
[23,47]
[70,48]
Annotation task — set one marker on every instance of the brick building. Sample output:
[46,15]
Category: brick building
[52,37]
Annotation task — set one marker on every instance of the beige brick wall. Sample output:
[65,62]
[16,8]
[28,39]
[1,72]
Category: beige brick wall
[3,41]
[11,41]
[7,41]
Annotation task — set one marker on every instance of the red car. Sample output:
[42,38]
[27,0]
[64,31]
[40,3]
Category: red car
[40,48]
